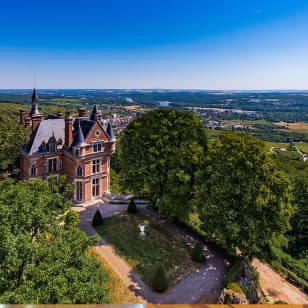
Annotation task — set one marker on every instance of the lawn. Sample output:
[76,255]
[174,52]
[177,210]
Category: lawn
[146,253]
[302,146]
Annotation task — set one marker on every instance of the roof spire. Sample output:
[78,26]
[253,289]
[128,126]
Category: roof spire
[34,108]
[94,113]
[79,137]
[110,133]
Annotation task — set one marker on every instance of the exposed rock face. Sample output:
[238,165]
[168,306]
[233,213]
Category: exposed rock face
[248,284]
[231,297]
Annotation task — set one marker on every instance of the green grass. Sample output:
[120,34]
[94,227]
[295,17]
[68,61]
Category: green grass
[302,146]
[279,145]
[12,109]
[146,253]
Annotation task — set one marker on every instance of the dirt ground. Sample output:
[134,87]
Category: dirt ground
[276,287]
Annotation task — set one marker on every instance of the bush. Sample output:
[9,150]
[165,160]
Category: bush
[235,287]
[97,219]
[197,254]
[132,209]
[234,272]
[71,219]
[160,281]
[280,302]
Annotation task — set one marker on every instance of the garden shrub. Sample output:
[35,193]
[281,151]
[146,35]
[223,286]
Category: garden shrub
[71,219]
[197,253]
[280,302]
[234,272]
[160,281]
[132,209]
[97,219]
[235,287]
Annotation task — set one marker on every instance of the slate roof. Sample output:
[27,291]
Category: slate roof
[78,136]
[56,127]
[85,124]
[44,132]
[109,132]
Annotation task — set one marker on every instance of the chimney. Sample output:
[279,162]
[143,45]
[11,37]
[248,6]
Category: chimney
[22,115]
[59,115]
[36,120]
[68,129]
[82,112]
[27,122]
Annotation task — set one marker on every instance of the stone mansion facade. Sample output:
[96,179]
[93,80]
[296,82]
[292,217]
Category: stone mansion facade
[78,147]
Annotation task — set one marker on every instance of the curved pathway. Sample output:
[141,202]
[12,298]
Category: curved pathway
[206,280]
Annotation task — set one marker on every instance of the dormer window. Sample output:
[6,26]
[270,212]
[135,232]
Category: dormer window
[52,147]
[97,147]
[43,145]
[77,152]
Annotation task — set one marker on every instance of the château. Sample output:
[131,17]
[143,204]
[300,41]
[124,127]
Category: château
[78,147]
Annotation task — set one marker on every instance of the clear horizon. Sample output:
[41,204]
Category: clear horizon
[224,46]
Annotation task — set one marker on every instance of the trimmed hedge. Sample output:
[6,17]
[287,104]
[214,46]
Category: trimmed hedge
[160,281]
[197,254]
[234,271]
[97,219]
[132,209]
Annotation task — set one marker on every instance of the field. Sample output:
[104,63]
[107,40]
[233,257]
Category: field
[145,254]
[12,109]
[294,126]
[302,146]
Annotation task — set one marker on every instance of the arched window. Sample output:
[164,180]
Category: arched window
[33,170]
[79,171]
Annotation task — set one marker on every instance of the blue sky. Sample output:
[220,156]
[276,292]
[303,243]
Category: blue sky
[193,44]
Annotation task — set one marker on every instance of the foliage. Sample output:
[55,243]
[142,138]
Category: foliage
[160,153]
[132,209]
[197,253]
[71,219]
[12,137]
[234,271]
[295,270]
[118,293]
[160,280]
[298,236]
[280,302]
[235,287]
[42,262]
[244,199]
[145,253]
[97,219]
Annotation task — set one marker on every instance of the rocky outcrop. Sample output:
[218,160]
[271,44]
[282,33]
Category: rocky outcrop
[248,283]
[232,297]
[246,292]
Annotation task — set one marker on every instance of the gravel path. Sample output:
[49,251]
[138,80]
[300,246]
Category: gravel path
[206,280]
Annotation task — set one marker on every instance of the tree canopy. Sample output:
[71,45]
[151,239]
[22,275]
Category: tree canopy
[159,154]
[12,136]
[42,261]
[243,198]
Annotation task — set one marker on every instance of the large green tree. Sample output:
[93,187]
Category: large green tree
[42,261]
[12,136]
[160,153]
[243,198]
[298,236]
